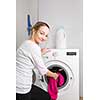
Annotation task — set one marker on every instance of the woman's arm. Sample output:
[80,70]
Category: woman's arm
[38,61]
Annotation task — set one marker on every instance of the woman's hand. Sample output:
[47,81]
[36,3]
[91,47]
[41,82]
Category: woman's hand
[55,76]
[52,74]
[44,50]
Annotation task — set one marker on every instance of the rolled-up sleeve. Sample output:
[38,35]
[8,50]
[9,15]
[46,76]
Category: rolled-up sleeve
[37,58]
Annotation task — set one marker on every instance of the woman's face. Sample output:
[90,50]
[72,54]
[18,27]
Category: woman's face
[41,35]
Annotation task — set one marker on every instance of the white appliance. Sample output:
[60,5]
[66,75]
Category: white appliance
[66,60]
[61,38]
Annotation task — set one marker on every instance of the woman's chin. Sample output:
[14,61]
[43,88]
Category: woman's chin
[40,41]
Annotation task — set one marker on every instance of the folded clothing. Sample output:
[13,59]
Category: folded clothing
[53,86]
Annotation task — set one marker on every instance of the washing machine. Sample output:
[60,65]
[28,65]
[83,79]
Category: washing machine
[67,62]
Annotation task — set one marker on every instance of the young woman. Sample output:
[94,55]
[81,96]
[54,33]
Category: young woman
[28,57]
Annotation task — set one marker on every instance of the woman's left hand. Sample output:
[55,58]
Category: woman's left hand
[45,50]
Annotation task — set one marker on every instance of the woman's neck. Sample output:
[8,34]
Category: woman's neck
[31,39]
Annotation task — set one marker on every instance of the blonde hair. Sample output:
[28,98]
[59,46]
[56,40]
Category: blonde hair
[38,25]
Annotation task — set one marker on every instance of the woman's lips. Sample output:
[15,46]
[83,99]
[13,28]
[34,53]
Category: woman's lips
[41,39]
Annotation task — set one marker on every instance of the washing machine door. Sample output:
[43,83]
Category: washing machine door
[64,69]
[37,78]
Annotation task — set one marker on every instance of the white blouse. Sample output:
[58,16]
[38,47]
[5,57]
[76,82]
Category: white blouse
[28,57]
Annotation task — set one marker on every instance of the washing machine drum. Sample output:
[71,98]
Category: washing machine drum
[64,70]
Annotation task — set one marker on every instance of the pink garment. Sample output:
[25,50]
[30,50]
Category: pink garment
[52,86]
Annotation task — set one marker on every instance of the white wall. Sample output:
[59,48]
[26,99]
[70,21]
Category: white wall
[24,7]
[66,13]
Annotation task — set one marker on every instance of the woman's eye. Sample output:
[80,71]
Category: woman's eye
[41,33]
[46,36]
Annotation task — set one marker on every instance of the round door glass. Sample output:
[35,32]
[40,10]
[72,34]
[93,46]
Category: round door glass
[59,69]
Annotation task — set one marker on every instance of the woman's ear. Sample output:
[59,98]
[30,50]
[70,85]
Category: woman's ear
[33,32]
